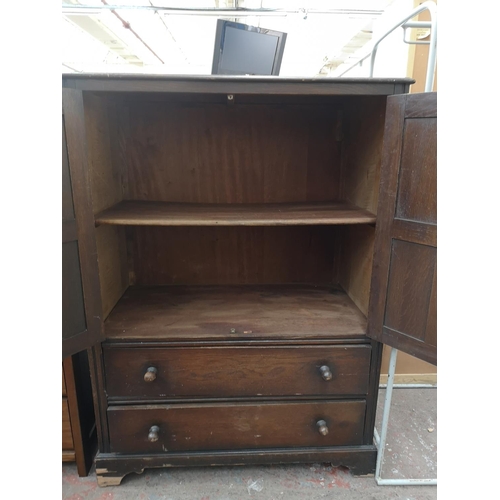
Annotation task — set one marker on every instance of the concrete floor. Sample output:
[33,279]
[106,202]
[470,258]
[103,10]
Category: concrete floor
[410,453]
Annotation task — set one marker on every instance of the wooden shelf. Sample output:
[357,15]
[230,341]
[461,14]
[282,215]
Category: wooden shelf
[253,311]
[152,213]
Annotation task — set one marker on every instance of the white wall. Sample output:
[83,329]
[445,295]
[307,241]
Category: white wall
[392,54]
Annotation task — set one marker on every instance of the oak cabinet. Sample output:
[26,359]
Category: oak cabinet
[237,250]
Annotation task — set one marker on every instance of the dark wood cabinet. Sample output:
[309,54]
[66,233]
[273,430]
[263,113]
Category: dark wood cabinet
[241,248]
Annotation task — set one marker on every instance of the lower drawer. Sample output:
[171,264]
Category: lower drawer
[198,427]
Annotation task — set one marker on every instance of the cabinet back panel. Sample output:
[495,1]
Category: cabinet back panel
[232,255]
[233,154]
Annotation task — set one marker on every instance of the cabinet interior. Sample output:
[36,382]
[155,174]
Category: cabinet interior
[221,161]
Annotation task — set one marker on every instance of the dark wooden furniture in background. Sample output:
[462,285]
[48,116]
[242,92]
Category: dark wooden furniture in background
[79,438]
[233,223]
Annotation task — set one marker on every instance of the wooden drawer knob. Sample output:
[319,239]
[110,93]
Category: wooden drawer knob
[322,427]
[326,373]
[150,374]
[153,434]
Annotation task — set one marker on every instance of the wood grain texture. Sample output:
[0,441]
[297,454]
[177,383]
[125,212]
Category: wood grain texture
[96,370]
[74,126]
[112,467]
[392,145]
[224,426]
[425,234]
[362,151]
[232,255]
[106,168]
[80,411]
[355,263]
[418,168]
[239,154]
[73,307]
[227,372]
[113,265]
[410,345]
[197,312]
[402,312]
[373,387]
[150,213]
[423,106]
[67,436]
[431,324]
[68,456]
[410,282]
[240,99]
[63,384]
[68,211]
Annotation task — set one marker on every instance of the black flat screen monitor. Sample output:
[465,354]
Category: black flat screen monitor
[241,49]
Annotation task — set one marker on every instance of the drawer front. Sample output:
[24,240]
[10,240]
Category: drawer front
[197,427]
[236,371]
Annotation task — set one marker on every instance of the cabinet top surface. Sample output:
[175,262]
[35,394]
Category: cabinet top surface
[243,84]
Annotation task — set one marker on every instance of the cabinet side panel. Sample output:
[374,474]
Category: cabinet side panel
[107,170]
[105,125]
[113,268]
[355,263]
[362,153]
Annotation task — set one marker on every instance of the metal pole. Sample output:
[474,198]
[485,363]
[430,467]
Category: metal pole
[410,386]
[387,410]
[431,7]
[406,23]
[380,440]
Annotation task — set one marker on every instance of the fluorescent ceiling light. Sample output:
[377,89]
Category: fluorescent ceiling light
[237,12]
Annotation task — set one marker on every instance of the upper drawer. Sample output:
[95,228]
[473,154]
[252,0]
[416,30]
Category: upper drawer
[220,372]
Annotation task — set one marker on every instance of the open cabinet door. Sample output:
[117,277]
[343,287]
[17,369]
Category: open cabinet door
[403,297]
[81,298]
